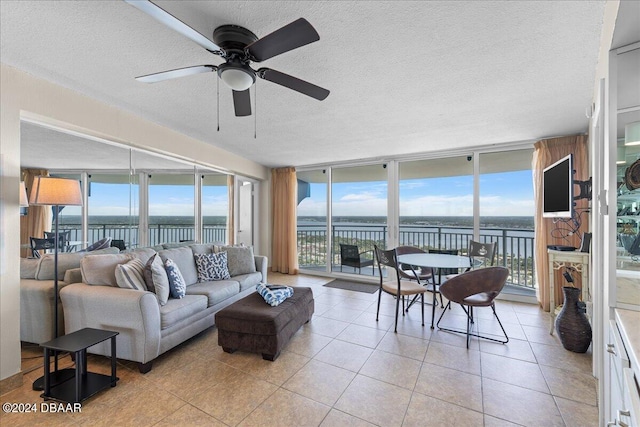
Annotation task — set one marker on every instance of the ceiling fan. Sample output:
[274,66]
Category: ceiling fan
[239,47]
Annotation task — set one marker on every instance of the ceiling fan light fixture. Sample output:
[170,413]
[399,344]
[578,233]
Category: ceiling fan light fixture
[237,77]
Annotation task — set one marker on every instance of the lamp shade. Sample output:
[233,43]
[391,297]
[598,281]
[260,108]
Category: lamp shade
[47,190]
[24,201]
[632,134]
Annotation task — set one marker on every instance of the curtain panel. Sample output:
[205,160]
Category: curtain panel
[284,249]
[549,231]
[38,218]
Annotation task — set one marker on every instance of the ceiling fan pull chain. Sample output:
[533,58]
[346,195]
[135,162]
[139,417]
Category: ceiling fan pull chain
[218,101]
[255,109]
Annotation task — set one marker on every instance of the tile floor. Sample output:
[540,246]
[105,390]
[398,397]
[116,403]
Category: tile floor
[345,369]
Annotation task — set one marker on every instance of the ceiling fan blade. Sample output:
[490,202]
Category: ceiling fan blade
[291,36]
[294,83]
[179,72]
[174,23]
[242,103]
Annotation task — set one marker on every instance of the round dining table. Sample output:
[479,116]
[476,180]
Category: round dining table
[435,261]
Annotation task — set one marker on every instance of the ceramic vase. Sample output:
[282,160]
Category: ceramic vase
[572,325]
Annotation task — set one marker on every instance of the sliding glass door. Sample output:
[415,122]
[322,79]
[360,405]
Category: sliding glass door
[171,207]
[312,220]
[358,216]
[507,210]
[436,203]
[215,208]
[112,208]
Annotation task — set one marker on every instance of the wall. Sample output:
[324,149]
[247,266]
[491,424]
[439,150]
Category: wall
[22,95]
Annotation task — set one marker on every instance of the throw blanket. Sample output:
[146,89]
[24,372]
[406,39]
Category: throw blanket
[274,295]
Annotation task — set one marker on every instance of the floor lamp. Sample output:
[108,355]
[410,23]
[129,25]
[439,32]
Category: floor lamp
[49,191]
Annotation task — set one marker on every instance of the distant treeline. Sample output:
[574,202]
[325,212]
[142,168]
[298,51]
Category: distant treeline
[522,222]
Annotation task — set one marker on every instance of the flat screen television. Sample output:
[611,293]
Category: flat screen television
[557,189]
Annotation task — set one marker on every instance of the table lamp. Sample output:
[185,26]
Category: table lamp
[49,191]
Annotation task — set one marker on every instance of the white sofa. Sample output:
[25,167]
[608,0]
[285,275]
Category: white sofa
[148,329]
[36,293]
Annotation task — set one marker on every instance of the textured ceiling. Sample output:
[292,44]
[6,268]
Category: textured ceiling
[405,77]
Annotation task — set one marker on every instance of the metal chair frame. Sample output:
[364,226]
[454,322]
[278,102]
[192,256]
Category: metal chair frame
[475,288]
[425,274]
[38,244]
[351,256]
[405,287]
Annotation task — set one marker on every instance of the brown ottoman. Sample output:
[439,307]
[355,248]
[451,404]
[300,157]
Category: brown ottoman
[252,325]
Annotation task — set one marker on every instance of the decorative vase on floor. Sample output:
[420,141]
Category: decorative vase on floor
[572,324]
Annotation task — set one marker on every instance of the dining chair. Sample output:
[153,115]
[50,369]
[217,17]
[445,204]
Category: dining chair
[407,271]
[118,243]
[396,286]
[426,275]
[38,244]
[351,256]
[475,288]
[63,239]
[480,255]
[100,244]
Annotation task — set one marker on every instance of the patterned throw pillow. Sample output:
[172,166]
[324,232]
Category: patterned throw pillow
[131,275]
[212,267]
[274,295]
[155,276]
[177,285]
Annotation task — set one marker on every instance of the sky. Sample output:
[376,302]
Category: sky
[501,194]
[113,199]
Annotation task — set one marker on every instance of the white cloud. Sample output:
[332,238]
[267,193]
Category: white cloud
[365,196]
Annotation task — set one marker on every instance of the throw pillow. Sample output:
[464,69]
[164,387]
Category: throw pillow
[101,269]
[155,276]
[240,260]
[212,267]
[177,285]
[131,275]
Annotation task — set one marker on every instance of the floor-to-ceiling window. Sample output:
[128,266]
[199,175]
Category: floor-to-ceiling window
[436,203]
[215,207]
[134,196]
[441,204]
[112,208]
[507,209]
[359,214]
[312,219]
[171,207]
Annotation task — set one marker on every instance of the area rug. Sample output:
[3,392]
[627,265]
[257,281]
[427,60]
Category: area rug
[352,286]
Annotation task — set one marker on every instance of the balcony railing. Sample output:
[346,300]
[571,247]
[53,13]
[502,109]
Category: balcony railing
[514,246]
[158,233]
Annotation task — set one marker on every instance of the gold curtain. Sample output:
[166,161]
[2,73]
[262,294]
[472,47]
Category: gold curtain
[284,250]
[230,214]
[547,152]
[38,218]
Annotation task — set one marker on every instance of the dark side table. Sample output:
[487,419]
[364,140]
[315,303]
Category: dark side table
[84,384]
